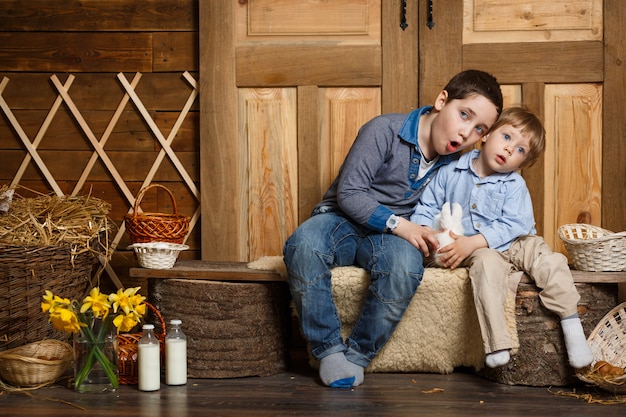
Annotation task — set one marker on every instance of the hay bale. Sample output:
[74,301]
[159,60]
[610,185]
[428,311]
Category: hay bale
[233,329]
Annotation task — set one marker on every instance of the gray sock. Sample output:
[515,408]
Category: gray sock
[337,372]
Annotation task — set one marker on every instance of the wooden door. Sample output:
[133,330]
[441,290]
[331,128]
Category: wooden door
[560,59]
[284,87]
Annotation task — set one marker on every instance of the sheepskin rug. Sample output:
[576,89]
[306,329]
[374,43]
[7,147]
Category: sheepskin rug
[438,332]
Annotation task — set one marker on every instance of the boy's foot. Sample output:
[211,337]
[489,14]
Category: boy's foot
[338,372]
[578,350]
[498,358]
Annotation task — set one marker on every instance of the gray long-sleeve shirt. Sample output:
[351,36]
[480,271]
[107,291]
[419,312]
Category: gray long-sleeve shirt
[379,176]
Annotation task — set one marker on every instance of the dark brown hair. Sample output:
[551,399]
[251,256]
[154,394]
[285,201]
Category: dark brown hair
[471,82]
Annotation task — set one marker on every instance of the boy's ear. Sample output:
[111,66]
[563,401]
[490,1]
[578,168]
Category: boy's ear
[441,100]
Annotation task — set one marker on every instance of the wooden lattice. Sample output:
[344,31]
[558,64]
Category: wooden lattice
[98,145]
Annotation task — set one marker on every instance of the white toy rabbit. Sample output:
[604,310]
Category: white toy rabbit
[448,220]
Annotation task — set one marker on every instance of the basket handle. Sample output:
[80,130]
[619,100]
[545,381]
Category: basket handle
[143,192]
[158,315]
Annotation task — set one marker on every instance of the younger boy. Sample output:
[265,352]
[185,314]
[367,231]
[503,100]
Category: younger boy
[499,230]
[362,220]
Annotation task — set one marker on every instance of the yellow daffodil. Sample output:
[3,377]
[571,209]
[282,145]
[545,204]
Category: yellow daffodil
[124,300]
[125,322]
[97,302]
[91,318]
[65,320]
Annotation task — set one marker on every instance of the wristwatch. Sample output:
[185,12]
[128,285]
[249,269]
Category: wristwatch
[392,222]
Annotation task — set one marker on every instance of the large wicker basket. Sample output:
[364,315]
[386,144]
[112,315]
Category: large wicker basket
[35,364]
[128,348]
[156,227]
[25,274]
[592,248]
[608,343]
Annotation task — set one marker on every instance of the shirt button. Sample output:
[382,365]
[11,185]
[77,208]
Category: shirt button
[412,176]
[474,206]
[416,161]
[478,225]
[477,185]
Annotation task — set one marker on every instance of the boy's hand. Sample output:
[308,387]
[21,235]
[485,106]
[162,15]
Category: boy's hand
[455,253]
[422,237]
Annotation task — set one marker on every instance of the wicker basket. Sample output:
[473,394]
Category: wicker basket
[608,343]
[157,255]
[592,248]
[25,274]
[128,348]
[35,364]
[156,227]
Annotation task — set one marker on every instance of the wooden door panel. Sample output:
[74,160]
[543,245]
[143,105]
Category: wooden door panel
[267,206]
[487,21]
[573,157]
[343,112]
[303,76]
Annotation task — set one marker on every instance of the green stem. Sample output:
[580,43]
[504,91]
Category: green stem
[96,353]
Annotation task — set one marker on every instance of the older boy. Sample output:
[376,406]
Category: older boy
[499,230]
[363,220]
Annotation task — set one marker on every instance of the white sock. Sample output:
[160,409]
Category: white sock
[578,350]
[498,358]
[338,372]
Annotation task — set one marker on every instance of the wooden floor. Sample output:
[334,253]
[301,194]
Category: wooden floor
[299,393]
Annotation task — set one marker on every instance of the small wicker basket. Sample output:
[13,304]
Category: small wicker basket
[128,348]
[592,248]
[608,343]
[35,364]
[157,255]
[156,227]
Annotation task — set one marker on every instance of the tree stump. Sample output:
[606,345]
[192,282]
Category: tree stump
[234,329]
[542,356]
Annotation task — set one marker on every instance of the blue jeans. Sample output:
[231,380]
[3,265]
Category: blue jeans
[328,240]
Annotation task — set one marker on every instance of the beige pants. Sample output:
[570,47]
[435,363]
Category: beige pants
[488,269]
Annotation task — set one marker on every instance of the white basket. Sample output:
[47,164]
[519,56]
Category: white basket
[157,255]
[592,248]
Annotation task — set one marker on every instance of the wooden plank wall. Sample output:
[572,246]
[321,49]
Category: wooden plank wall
[94,41]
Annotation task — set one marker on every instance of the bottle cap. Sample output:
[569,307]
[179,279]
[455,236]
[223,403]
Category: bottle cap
[148,326]
[175,321]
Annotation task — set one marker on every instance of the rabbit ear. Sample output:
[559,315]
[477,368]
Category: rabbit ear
[445,210]
[457,211]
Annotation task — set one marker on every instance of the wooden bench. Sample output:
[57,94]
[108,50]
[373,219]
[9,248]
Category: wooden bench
[237,320]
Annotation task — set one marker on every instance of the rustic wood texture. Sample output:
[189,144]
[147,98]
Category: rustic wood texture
[268,207]
[400,63]
[210,270]
[89,52]
[357,21]
[542,356]
[614,117]
[573,158]
[94,15]
[233,329]
[535,21]
[344,111]
[97,143]
[298,392]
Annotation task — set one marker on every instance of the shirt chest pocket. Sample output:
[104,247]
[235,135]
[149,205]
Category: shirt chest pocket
[487,205]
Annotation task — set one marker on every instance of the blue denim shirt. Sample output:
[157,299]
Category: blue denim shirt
[498,206]
[379,176]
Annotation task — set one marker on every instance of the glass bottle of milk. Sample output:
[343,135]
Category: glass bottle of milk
[149,360]
[175,355]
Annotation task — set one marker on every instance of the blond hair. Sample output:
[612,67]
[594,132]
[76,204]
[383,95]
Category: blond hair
[528,123]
